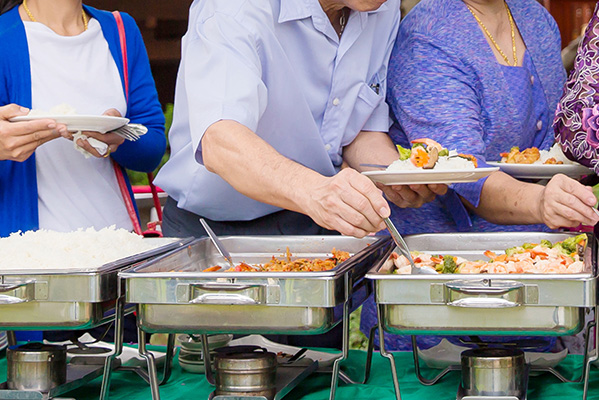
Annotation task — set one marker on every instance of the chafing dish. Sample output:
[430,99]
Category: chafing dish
[174,295]
[498,304]
[73,299]
[481,304]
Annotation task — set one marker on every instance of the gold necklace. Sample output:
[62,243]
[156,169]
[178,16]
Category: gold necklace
[509,14]
[34,20]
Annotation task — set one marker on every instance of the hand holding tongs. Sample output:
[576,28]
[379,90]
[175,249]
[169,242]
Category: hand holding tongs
[404,250]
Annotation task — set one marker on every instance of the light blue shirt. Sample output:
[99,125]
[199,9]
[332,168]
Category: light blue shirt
[279,68]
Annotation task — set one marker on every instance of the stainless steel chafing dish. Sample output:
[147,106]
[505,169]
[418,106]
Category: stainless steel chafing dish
[520,304]
[67,299]
[174,295]
[480,304]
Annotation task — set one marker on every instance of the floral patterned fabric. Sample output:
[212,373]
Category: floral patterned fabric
[576,122]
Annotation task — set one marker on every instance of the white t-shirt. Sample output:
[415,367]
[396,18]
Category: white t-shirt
[75,192]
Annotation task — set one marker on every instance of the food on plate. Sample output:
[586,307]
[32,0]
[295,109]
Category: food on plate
[532,155]
[286,264]
[84,248]
[565,257]
[428,154]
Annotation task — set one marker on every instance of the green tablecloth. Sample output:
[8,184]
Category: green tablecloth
[184,385]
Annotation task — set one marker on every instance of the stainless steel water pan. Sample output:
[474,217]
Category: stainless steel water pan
[174,295]
[77,299]
[521,304]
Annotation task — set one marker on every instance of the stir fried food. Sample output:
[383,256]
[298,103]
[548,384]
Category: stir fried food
[287,264]
[565,257]
[532,155]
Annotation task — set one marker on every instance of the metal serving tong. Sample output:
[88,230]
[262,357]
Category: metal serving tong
[217,243]
[404,250]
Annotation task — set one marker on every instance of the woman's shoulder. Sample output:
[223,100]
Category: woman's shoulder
[9,21]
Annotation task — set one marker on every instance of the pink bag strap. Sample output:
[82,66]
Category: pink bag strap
[123,40]
[117,169]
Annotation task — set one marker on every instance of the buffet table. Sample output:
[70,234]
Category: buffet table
[184,385]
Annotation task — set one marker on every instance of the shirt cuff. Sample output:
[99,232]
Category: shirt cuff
[237,114]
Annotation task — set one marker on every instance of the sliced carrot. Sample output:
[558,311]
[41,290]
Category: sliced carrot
[419,156]
[212,269]
[490,254]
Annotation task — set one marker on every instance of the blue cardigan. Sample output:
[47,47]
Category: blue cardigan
[18,183]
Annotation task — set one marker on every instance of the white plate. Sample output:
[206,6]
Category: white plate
[446,353]
[542,171]
[429,176]
[95,123]
[324,359]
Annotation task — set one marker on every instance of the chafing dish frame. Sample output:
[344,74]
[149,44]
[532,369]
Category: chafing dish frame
[260,290]
[71,299]
[444,286]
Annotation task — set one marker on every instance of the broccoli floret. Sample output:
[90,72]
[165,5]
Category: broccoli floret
[546,243]
[443,153]
[570,244]
[404,154]
[449,265]
[528,246]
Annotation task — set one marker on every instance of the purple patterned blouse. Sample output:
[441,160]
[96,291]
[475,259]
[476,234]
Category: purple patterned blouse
[576,122]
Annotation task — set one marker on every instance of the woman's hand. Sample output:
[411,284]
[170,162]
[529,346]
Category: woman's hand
[565,202]
[18,140]
[111,139]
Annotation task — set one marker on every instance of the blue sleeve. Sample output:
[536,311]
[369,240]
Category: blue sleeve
[433,95]
[143,107]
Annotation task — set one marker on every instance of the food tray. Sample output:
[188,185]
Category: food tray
[478,304]
[174,295]
[74,299]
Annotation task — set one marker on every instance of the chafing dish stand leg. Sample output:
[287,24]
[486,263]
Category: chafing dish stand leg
[119,315]
[423,380]
[384,352]
[594,355]
[207,361]
[152,374]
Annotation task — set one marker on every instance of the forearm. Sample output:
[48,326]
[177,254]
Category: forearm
[254,168]
[505,200]
[372,148]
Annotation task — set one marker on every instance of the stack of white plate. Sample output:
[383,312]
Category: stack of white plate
[190,355]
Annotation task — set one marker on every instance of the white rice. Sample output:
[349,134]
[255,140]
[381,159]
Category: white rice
[61,109]
[444,163]
[556,152]
[81,249]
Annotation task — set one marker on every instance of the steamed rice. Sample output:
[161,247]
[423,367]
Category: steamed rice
[444,163]
[81,249]
[554,152]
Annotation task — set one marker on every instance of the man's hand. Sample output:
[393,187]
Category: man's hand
[412,196]
[349,203]
[565,202]
[18,140]
[111,139]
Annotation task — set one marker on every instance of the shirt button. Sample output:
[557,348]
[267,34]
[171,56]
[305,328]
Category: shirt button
[532,80]
[539,125]
[327,147]
[336,101]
